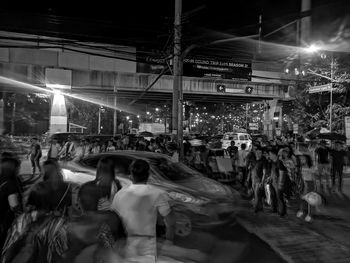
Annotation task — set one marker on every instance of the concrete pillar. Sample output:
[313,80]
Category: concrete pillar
[272,118]
[58,118]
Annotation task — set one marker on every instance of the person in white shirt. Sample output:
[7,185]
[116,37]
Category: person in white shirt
[54,150]
[67,149]
[138,206]
[110,146]
[242,163]
[96,148]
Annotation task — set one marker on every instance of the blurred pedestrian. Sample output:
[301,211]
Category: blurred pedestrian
[322,159]
[338,156]
[138,205]
[307,174]
[110,146]
[232,150]
[279,176]
[126,142]
[78,152]
[258,170]
[10,195]
[242,163]
[54,150]
[96,147]
[35,155]
[107,182]
[67,149]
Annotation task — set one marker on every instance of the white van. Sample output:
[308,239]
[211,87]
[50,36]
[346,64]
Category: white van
[238,137]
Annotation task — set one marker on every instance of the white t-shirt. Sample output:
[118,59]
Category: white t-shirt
[242,155]
[138,206]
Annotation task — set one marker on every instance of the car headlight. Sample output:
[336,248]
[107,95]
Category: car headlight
[187,198]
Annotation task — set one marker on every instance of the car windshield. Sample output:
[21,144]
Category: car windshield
[171,170]
[231,137]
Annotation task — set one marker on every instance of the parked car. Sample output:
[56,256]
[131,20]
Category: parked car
[238,138]
[198,202]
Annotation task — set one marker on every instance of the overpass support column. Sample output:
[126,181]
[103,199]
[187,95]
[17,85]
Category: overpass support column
[272,118]
[59,117]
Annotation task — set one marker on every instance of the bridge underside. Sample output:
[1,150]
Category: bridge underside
[125,96]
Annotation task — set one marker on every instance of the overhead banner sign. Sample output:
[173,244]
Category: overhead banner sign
[320,88]
[217,69]
[253,126]
[194,67]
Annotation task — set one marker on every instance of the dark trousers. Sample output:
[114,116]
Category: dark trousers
[35,164]
[337,170]
[277,201]
[258,193]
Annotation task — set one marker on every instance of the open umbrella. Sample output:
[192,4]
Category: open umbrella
[315,132]
[333,136]
[146,134]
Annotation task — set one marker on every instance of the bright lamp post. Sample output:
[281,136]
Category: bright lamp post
[313,49]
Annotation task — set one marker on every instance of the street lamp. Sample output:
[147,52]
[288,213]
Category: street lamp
[312,48]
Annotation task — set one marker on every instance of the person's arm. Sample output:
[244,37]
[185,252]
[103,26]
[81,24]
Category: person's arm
[169,220]
[165,211]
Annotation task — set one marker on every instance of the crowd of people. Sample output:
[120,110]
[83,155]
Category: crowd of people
[274,173]
[107,222]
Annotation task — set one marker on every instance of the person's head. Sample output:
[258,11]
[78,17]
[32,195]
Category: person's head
[34,140]
[273,155]
[139,171]
[243,146]
[105,175]
[89,195]
[285,153]
[305,160]
[69,138]
[52,171]
[54,140]
[258,153]
[9,167]
[254,147]
[233,143]
[110,143]
[338,145]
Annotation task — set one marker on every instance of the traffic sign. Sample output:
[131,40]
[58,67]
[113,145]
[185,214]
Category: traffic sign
[220,88]
[320,88]
[253,126]
[249,90]
[295,128]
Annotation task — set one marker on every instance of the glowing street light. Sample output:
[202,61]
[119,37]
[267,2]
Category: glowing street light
[127,117]
[138,116]
[312,49]
[157,109]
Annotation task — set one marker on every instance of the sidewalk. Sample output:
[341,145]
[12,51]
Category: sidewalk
[326,239]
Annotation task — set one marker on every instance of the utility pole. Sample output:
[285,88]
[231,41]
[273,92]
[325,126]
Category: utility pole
[177,111]
[331,94]
[99,121]
[115,125]
[13,114]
